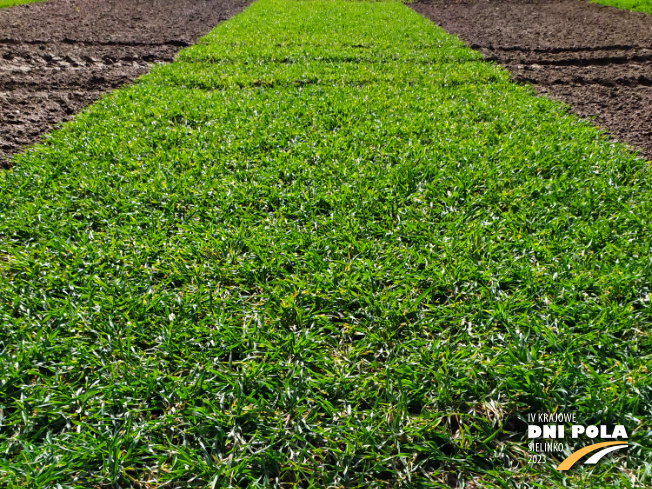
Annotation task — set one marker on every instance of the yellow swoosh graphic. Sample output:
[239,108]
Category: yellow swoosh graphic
[574,457]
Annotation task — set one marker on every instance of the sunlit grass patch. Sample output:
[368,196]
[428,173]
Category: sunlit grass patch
[636,5]
[330,246]
[11,3]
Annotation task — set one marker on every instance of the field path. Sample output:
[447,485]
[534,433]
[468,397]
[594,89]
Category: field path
[60,55]
[597,59]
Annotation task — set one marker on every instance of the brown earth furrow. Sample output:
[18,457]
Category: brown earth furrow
[60,55]
[606,61]
[37,42]
[597,59]
[628,83]
[578,49]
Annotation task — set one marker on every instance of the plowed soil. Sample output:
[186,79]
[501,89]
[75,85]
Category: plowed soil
[597,59]
[60,55]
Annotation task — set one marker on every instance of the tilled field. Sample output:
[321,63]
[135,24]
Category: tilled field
[60,55]
[597,59]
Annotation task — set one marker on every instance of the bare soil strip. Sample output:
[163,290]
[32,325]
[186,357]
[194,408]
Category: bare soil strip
[597,59]
[60,55]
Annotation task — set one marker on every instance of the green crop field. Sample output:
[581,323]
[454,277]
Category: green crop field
[637,5]
[328,247]
[11,3]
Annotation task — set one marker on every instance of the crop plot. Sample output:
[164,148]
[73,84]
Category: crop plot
[328,246]
[12,3]
[636,5]
[597,59]
[58,56]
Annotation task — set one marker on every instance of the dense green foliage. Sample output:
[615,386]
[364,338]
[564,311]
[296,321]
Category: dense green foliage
[328,246]
[637,5]
[11,3]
